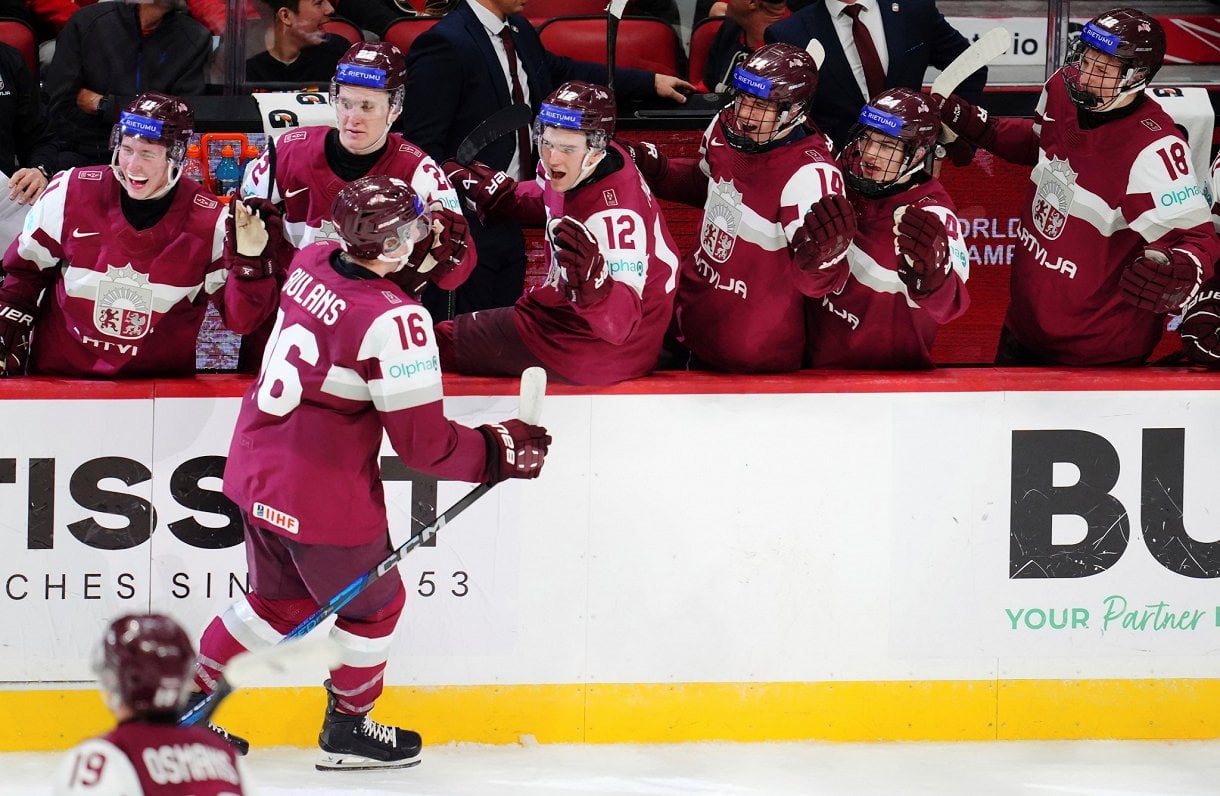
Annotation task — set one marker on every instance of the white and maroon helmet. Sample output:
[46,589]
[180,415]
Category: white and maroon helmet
[380,217]
[159,118]
[145,662]
[901,114]
[781,73]
[372,64]
[577,105]
[1136,39]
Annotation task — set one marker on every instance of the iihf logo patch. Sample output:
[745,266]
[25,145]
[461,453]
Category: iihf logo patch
[610,197]
[1053,198]
[1151,125]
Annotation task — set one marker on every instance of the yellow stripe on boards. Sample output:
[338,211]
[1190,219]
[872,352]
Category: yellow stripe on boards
[939,710]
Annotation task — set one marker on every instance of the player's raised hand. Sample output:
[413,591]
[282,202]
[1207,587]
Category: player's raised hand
[515,449]
[1161,279]
[246,240]
[447,247]
[651,162]
[16,321]
[1200,327]
[583,271]
[824,234]
[483,188]
[963,119]
[922,246]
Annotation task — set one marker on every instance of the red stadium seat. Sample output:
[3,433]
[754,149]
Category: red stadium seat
[539,11]
[643,42]
[402,33]
[20,36]
[341,27]
[701,39]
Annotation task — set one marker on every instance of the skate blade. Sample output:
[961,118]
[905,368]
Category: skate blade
[336,762]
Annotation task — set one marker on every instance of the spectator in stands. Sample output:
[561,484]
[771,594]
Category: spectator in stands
[299,50]
[908,260]
[27,149]
[740,34]
[363,358]
[602,313]
[1115,232]
[449,91]
[891,47]
[144,664]
[116,265]
[107,54]
[776,224]
[312,164]
[1200,328]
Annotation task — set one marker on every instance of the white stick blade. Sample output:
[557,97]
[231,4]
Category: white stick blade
[533,388]
[313,655]
[616,8]
[815,48]
[990,45]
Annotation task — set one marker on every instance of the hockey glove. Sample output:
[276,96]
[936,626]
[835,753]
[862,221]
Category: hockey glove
[582,268]
[436,259]
[963,119]
[515,449]
[825,234]
[1200,327]
[652,164]
[483,188]
[247,236]
[1161,280]
[16,322]
[922,246]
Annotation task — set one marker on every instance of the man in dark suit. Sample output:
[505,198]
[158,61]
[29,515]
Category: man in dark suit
[457,76]
[909,35]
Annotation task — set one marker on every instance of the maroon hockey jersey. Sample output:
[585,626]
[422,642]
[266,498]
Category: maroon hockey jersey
[347,358]
[619,337]
[139,758]
[306,187]
[873,322]
[740,305]
[124,302]
[1097,196]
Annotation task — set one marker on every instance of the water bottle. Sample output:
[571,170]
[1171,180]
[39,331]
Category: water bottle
[192,167]
[228,173]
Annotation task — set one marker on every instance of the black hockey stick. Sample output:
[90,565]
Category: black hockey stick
[493,128]
[533,388]
[614,12]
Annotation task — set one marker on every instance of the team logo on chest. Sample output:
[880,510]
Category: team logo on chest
[1053,198]
[721,218]
[124,304]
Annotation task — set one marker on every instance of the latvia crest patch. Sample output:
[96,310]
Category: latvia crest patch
[1053,198]
[721,218]
[124,304]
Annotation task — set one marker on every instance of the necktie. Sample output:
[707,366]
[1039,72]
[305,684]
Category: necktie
[523,136]
[874,75]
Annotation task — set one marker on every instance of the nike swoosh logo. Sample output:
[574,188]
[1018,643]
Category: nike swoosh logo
[290,194]
[716,142]
[76,233]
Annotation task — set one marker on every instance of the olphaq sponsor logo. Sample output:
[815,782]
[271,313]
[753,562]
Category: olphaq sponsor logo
[361,75]
[751,83]
[131,124]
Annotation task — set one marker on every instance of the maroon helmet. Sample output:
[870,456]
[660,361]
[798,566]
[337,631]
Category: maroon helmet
[145,662]
[1136,39]
[778,73]
[160,118]
[376,215]
[372,64]
[576,105]
[902,127]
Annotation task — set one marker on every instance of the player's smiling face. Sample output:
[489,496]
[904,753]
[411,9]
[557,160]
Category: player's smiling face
[144,166]
[364,118]
[563,154]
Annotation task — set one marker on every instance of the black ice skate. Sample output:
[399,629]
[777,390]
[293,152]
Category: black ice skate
[353,743]
[236,741]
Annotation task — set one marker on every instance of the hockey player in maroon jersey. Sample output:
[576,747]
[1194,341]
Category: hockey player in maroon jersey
[1115,233]
[601,314]
[144,663]
[908,260]
[129,257]
[776,224]
[352,356]
[1200,327]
